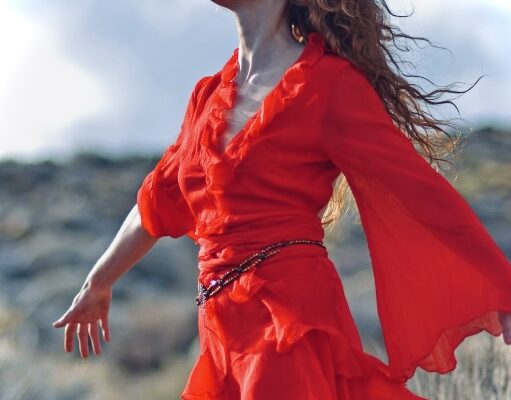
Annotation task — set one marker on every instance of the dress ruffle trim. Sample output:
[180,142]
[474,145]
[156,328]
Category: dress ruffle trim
[440,355]
[365,376]
[220,167]
[358,375]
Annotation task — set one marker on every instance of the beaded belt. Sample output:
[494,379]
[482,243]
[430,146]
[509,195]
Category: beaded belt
[218,284]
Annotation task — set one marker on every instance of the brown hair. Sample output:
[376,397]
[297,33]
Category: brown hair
[360,31]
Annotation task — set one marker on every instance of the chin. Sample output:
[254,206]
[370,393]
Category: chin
[224,3]
[231,4]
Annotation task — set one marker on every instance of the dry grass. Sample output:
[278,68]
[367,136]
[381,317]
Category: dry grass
[46,377]
[483,372]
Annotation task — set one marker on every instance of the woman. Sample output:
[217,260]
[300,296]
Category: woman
[261,145]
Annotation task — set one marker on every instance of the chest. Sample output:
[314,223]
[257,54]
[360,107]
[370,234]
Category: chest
[277,165]
[247,102]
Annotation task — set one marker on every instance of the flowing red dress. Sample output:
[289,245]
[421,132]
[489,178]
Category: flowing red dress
[283,330]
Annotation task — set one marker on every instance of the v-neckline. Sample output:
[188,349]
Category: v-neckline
[220,168]
[232,74]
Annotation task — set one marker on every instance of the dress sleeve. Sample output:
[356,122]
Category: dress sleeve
[162,206]
[439,275]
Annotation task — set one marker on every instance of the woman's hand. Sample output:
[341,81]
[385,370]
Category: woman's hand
[505,320]
[92,303]
[89,306]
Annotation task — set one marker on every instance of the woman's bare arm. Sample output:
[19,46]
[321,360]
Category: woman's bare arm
[130,245]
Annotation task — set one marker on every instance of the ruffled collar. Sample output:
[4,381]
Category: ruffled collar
[220,167]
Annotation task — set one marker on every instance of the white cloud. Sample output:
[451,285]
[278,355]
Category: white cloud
[168,16]
[41,92]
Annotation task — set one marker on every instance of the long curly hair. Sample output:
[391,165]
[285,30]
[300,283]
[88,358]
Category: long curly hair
[360,31]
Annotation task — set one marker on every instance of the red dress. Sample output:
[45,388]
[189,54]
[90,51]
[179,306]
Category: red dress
[283,330]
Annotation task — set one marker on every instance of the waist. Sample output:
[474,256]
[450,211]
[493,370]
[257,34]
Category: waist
[218,253]
[216,285]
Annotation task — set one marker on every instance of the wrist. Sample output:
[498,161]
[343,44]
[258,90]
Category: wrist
[95,281]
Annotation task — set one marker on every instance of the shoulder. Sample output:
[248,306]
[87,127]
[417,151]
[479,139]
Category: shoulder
[337,72]
[200,91]
[203,88]
[349,98]
[203,85]
[345,88]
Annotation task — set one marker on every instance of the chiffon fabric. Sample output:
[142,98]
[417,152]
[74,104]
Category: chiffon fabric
[283,330]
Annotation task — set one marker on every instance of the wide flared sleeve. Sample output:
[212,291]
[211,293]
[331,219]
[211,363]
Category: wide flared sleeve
[439,275]
[162,206]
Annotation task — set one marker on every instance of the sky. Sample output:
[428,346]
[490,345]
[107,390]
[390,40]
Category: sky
[114,77]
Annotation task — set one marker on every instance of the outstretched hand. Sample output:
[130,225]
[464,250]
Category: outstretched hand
[89,306]
[505,320]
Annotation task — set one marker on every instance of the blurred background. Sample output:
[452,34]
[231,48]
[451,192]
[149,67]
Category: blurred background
[92,92]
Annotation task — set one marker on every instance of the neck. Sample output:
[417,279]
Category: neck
[266,44]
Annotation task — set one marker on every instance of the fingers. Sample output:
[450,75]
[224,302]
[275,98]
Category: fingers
[93,333]
[105,327]
[62,321]
[69,336]
[83,339]
[84,331]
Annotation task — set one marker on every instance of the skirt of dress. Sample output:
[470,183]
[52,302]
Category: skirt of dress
[284,330]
